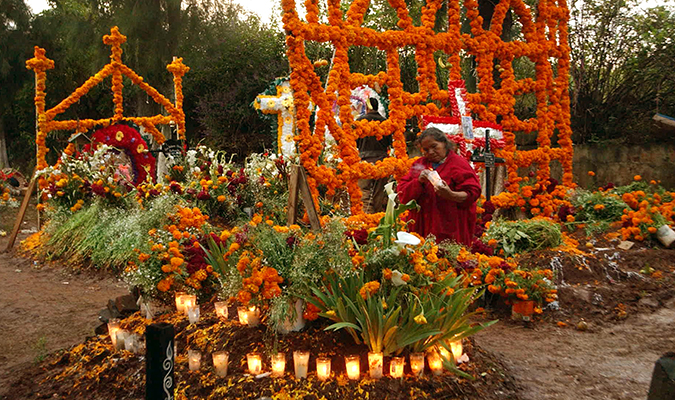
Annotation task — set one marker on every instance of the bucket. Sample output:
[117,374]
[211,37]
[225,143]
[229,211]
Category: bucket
[522,310]
[666,236]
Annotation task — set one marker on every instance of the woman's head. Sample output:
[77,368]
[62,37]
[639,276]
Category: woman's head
[434,144]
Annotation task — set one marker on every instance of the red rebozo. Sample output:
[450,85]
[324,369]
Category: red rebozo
[125,138]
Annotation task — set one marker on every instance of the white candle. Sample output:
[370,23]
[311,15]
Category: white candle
[417,363]
[278,364]
[192,313]
[113,327]
[301,363]
[254,363]
[220,360]
[396,367]
[132,343]
[194,360]
[120,337]
[323,368]
[221,309]
[179,301]
[435,363]
[457,349]
[249,315]
[189,300]
[353,368]
[375,365]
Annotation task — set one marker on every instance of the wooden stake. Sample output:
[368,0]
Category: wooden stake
[22,213]
[298,183]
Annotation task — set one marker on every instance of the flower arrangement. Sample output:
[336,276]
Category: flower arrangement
[517,237]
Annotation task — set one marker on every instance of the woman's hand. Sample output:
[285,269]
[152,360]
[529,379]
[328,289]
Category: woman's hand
[445,192]
[424,176]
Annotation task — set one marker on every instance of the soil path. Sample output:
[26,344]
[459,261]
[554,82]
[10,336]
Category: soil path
[44,308]
[614,362]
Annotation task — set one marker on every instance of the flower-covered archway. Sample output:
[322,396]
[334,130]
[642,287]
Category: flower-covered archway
[545,44]
[116,68]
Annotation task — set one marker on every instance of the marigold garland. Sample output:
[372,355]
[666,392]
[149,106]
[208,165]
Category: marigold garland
[545,39]
[46,123]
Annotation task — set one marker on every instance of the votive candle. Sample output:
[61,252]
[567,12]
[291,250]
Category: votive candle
[220,360]
[189,300]
[396,367]
[435,363]
[417,363]
[375,365]
[353,368]
[457,349]
[249,315]
[301,363]
[120,337]
[221,309]
[113,327]
[179,301]
[254,363]
[323,368]
[194,360]
[192,312]
[278,364]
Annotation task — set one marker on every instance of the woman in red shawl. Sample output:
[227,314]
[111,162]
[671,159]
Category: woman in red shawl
[447,205]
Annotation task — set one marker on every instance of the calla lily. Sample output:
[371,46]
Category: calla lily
[397,278]
[420,319]
[407,238]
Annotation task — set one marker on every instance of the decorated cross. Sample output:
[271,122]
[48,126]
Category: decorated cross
[488,158]
[282,105]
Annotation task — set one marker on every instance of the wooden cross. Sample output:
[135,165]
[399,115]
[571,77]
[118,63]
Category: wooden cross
[298,183]
[489,159]
[282,105]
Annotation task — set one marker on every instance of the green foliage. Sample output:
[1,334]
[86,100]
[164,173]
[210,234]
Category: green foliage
[597,209]
[517,237]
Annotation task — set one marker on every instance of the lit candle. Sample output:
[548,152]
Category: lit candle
[249,315]
[353,368]
[120,337]
[457,349]
[435,363]
[396,367]
[132,343]
[221,309]
[113,327]
[301,363]
[323,368]
[254,363]
[444,352]
[220,360]
[194,360]
[278,364]
[192,313]
[375,365]
[417,363]
[179,301]
[189,300]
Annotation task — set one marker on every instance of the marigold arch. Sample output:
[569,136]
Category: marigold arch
[46,118]
[545,43]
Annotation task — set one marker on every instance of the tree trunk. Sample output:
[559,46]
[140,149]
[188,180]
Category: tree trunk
[4,160]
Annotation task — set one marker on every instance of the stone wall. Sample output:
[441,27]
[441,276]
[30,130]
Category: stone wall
[620,163]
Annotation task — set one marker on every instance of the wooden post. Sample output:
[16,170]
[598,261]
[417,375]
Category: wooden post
[22,213]
[298,183]
[159,362]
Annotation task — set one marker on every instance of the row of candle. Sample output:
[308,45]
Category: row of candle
[188,304]
[323,364]
[122,339]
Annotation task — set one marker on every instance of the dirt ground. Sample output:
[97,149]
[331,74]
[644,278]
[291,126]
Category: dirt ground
[629,318]
[43,307]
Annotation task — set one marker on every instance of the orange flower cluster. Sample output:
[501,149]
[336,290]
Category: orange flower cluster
[545,40]
[536,199]
[647,213]
[261,282]
[46,123]
[369,289]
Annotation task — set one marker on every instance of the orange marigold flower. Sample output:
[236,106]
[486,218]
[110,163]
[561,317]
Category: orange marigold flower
[570,218]
[164,285]
[599,207]
[221,198]
[369,289]
[143,257]
[637,178]
[562,324]
[405,278]
[386,273]
[591,173]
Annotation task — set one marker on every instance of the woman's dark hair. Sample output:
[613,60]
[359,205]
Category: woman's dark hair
[439,136]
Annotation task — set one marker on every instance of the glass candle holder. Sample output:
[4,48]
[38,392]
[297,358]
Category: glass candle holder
[120,337]
[221,309]
[353,367]
[220,360]
[254,363]
[375,361]
[417,363]
[444,352]
[132,343]
[192,311]
[396,367]
[179,301]
[435,363]
[301,363]
[249,315]
[113,327]
[323,368]
[278,364]
[189,300]
[457,349]
[194,360]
